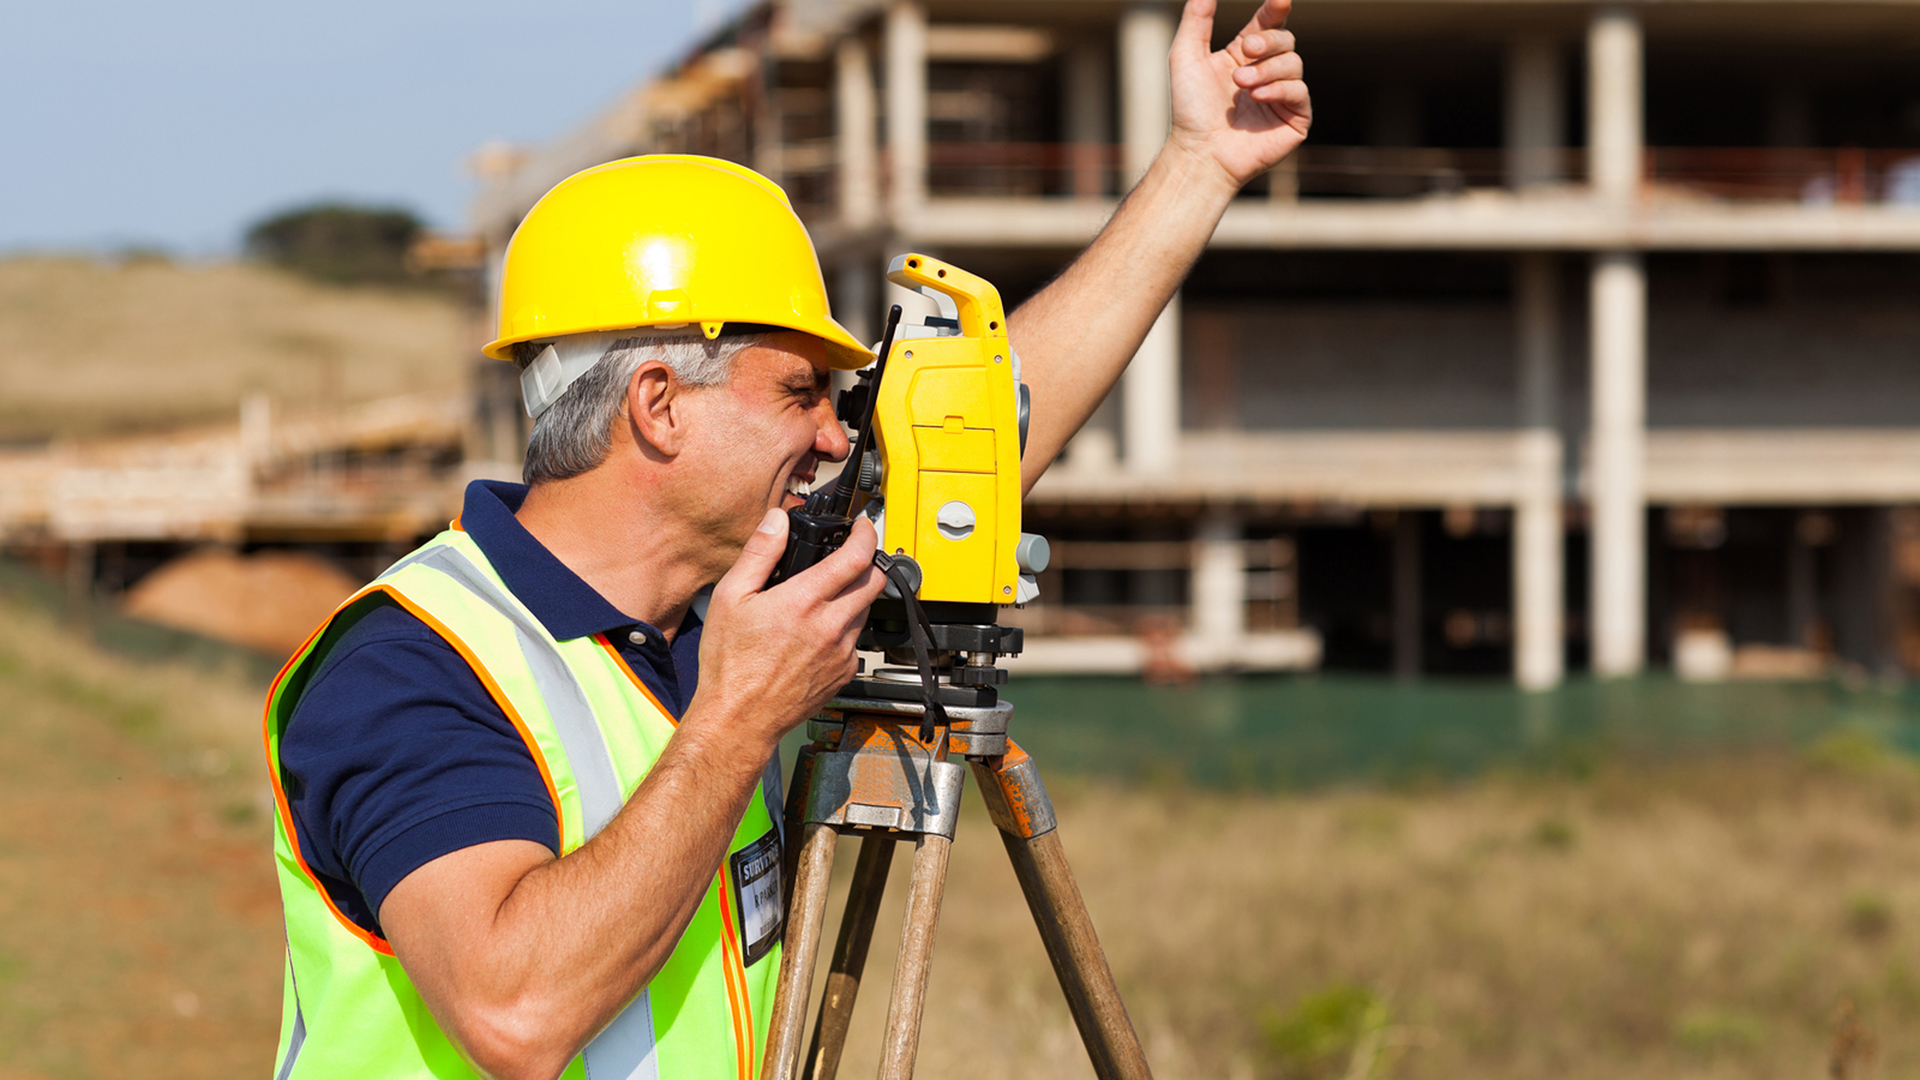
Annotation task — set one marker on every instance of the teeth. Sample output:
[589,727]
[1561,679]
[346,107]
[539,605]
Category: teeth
[797,486]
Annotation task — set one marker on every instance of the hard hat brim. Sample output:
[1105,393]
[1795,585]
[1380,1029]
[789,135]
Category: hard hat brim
[844,351]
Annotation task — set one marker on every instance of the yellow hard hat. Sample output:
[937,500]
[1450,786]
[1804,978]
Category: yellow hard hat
[665,240]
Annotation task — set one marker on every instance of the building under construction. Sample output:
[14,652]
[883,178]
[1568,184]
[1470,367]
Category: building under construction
[1576,337]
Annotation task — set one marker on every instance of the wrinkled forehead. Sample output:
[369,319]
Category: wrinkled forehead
[785,354]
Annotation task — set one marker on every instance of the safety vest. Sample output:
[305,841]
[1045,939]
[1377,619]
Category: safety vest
[594,730]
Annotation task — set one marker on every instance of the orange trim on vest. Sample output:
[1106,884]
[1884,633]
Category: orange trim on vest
[373,941]
[621,663]
[736,978]
[455,525]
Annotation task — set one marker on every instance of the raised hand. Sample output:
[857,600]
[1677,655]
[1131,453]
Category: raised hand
[1244,107]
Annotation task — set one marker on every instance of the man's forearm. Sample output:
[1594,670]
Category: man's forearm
[531,980]
[1076,335]
[523,957]
[1236,112]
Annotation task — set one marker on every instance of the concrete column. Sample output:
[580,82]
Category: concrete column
[1150,397]
[1407,616]
[854,120]
[1614,132]
[1536,302]
[1146,97]
[907,107]
[1089,116]
[1539,550]
[1617,462]
[1536,111]
[1219,587]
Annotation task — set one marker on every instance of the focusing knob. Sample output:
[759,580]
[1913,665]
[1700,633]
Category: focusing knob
[869,472]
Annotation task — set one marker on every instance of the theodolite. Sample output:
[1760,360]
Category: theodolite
[942,422]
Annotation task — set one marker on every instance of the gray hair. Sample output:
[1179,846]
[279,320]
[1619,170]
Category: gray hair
[573,435]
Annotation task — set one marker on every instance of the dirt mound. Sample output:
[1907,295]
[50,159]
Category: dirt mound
[268,601]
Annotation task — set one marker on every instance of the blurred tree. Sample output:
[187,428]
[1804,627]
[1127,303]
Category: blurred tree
[337,243]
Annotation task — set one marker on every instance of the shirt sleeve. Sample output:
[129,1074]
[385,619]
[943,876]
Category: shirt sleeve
[397,755]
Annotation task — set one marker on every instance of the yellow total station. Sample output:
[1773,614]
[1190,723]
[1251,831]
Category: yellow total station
[948,423]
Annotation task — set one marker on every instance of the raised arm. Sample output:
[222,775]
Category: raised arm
[1236,113]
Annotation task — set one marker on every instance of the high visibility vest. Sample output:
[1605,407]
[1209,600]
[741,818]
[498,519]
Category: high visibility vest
[594,730]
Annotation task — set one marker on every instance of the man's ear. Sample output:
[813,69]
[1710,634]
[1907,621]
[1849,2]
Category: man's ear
[656,409]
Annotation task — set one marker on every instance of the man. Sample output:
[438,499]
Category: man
[523,802]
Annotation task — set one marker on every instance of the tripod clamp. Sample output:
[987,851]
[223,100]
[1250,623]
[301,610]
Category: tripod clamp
[880,774]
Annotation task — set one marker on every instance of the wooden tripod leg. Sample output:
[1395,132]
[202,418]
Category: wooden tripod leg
[800,951]
[849,957]
[910,971]
[794,817]
[1018,804]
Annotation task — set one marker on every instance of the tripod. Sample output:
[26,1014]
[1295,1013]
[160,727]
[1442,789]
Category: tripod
[869,771]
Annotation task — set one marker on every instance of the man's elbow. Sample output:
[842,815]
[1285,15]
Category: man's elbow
[515,1041]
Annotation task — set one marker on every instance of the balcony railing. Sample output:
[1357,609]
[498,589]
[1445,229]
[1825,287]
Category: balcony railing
[1811,176]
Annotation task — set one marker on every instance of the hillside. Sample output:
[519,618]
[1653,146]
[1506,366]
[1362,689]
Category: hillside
[89,346]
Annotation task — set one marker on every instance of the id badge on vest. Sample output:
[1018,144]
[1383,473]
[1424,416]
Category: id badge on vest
[755,870]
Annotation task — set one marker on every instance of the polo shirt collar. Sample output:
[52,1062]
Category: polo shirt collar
[566,605]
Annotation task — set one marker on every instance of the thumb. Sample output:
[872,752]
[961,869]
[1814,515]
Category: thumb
[756,561]
[1193,40]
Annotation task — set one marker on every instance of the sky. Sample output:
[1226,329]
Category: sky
[133,124]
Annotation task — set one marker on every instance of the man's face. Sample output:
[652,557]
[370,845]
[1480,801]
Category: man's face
[760,438]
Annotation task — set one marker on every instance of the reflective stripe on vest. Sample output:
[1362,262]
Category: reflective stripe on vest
[624,1051]
[572,717]
[299,1035]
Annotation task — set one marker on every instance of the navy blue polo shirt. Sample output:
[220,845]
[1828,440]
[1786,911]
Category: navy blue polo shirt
[397,755]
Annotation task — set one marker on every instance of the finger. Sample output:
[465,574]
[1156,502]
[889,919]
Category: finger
[1253,46]
[757,559]
[864,537]
[1193,39]
[1271,15]
[1271,70]
[1289,94]
[831,575]
[862,591]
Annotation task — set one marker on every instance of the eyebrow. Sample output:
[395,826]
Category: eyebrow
[815,379]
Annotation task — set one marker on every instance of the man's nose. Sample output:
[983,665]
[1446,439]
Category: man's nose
[830,440]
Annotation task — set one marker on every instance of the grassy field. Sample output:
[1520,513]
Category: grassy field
[139,922]
[1753,914]
[90,346]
